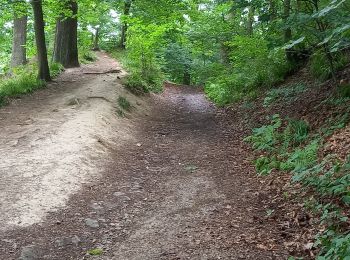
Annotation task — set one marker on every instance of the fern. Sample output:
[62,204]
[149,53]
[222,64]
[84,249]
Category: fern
[302,158]
[266,137]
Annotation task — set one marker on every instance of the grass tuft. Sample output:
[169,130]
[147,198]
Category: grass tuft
[20,84]
[95,252]
[124,103]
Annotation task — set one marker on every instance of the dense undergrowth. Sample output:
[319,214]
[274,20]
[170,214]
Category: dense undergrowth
[292,145]
[24,80]
[138,82]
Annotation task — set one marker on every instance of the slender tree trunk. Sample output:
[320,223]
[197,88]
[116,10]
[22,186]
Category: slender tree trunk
[250,20]
[187,75]
[19,41]
[39,25]
[272,10]
[287,34]
[286,14]
[127,6]
[66,43]
[96,39]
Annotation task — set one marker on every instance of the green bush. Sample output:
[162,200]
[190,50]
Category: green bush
[264,165]
[56,69]
[144,55]
[142,78]
[136,84]
[344,91]
[22,82]
[320,68]
[285,149]
[277,141]
[86,55]
[254,66]
[266,138]
[301,158]
[334,246]
[296,132]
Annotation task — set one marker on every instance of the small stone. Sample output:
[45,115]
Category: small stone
[92,223]
[76,240]
[29,253]
[95,206]
[118,193]
[64,242]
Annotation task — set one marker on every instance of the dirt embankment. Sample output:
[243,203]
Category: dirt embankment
[57,139]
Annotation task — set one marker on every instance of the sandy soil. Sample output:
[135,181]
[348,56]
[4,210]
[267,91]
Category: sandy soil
[171,181]
[55,140]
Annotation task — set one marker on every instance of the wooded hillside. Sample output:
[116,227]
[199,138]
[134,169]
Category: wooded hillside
[285,62]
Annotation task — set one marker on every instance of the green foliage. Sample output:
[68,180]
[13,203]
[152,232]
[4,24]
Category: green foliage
[344,91]
[266,137]
[56,69]
[301,158]
[337,122]
[136,84]
[178,62]
[124,103]
[295,133]
[254,66]
[276,141]
[264,165]
[287,94]
[143,46]
[322,26]
[87,56]
[334,246]
[320,68]
[22,82]
[191,168]
[328,178]
[258,65]
[95,252]
[134,81]
[287,149]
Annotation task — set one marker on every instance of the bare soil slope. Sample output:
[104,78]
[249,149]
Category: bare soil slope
[52,142]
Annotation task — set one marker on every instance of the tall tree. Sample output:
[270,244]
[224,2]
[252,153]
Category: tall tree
[126,12]
[250,21]
[66,43]
[19,40]
[39,27]
[287,34]
[96,37]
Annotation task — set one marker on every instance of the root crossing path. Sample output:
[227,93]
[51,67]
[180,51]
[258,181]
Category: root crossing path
[171,180]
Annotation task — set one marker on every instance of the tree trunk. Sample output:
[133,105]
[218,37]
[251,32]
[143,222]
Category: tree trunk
[187,76]
[19,41]
[287,34]
[272,10]
[250,20]
[96,39]
[127,6]
[44,71]
[66,44]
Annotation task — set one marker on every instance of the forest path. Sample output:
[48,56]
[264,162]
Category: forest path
[173,183]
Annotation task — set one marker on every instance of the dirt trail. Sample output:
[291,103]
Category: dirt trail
[174,183]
